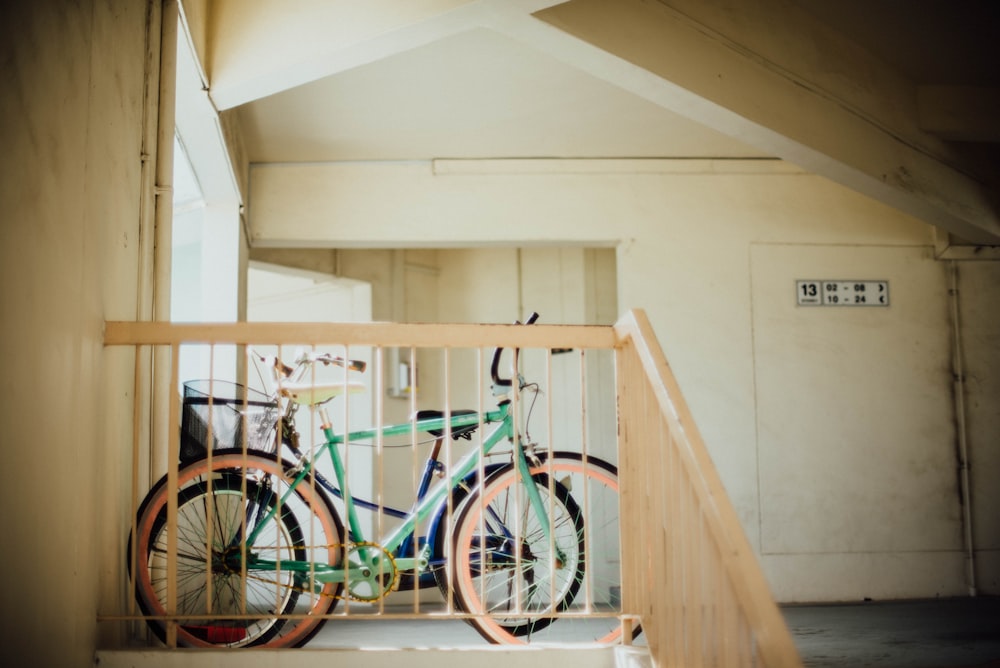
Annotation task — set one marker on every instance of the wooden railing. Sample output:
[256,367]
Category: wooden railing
[689,576]
[689,572]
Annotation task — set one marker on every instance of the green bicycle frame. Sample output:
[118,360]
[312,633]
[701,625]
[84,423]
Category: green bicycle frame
[504,431]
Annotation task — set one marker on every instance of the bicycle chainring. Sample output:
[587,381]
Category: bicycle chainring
[379,577]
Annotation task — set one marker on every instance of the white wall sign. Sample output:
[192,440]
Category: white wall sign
[830,292]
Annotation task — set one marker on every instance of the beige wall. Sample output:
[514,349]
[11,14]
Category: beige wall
[834,429]
[72,109]
[503,284]
[691,250]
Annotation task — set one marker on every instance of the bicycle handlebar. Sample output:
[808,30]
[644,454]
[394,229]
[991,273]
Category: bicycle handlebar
[360,365]
[308,358]
[495,366]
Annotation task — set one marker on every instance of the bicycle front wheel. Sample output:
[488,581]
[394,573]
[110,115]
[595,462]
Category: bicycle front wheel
[527,585]
[228,591]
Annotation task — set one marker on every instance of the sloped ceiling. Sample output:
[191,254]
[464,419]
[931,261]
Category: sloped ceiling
[476,94]
[853,90]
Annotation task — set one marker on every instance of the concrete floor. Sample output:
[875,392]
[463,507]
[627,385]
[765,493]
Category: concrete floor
[943,633]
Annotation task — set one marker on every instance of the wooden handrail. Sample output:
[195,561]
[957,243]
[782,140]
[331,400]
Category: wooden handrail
[689,572]
[659,434]
[452,335]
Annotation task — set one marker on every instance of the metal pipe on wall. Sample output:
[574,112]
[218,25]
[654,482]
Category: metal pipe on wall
[165,160]
[958,391]
[163,222]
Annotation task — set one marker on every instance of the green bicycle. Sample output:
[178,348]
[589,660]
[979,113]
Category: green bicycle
[522,541]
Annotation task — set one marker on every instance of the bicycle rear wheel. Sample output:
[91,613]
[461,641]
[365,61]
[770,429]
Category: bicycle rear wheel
[526,588]
[223,598]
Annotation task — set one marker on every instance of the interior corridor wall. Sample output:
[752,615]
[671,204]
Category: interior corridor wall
[564,285]
[72,109]
[572,285]
[977,285]
[711,250]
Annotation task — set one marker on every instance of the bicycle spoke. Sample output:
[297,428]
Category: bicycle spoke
[252,602]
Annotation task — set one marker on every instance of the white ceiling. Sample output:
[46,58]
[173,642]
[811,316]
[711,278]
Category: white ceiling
[476,94]
[395,80]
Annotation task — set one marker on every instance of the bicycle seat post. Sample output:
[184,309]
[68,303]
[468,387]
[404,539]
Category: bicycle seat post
[432,466]
[325,422]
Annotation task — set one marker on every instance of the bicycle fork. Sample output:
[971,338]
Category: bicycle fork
[537,503]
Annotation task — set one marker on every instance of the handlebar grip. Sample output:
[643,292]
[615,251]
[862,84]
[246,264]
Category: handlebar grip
[356,365]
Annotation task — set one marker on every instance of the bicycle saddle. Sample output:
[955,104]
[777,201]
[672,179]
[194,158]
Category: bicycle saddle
[456,432]
[314,394]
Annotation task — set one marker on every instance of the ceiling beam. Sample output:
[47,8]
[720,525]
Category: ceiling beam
[202,133]
[763,73]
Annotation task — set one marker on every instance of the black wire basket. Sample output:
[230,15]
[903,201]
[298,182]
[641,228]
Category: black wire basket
[227,415]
